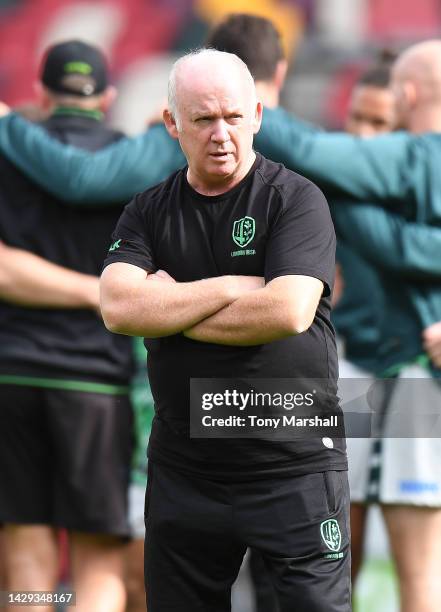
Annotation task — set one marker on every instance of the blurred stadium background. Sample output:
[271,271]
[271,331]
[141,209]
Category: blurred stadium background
[329,43]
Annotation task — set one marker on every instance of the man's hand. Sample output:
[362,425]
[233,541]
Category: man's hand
[161,275]
[339,286]
[432,343]
[284,307]
[245,284]
[4,109]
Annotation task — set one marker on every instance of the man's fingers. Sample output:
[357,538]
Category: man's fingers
[165,276]
[161,275]
[432,334]
[4,109]
[435,352]
[432,343]
[252,282]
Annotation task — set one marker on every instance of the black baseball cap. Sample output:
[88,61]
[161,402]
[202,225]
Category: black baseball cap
[75,68]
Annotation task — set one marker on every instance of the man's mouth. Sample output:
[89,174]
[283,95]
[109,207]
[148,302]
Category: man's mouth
[220,154]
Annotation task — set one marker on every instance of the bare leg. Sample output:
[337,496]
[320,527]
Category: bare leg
[134,576]
[97,573]
[415,538]
[358,526]
[31,561]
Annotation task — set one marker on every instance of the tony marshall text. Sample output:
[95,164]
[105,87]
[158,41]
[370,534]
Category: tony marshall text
[274,422]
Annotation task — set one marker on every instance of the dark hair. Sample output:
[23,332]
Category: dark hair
[379,74]
[254,39]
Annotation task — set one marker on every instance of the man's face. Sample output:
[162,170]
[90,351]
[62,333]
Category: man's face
[217,119]
[371,111]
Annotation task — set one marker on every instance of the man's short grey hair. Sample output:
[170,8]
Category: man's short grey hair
[172,104]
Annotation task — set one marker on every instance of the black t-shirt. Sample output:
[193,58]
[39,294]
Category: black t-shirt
[272,224]
[60,343]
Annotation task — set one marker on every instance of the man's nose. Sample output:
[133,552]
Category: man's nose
[220,131]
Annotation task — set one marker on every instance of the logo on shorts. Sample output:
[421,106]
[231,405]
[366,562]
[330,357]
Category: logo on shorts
[243,231]
[331,534]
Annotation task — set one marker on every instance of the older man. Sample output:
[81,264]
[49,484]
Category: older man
[177,275]
[398,171]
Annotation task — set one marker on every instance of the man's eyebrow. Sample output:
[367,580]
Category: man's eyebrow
[208,115]
[204,115]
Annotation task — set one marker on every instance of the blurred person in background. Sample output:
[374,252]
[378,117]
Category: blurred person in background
[66,416]
[371,109]
[29,280]
[19,285]
[372,169]
[357,311]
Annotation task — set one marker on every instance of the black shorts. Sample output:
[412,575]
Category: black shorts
[65,459]
[197,532]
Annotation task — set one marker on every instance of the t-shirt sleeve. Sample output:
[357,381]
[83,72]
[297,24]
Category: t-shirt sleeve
[131,241]
[302,238]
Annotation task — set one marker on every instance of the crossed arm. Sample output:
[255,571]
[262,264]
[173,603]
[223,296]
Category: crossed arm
[230,310]
[29,280]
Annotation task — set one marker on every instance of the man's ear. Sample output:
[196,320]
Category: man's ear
[107,98]
[257,121]
[410,93]
[170,123]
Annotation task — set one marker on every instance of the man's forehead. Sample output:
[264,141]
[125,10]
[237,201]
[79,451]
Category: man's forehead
[371,94]
[212,95]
